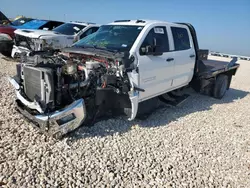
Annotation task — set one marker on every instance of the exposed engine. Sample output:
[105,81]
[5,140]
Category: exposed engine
[56,81]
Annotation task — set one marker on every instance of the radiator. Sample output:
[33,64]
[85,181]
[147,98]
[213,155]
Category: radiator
[38,83]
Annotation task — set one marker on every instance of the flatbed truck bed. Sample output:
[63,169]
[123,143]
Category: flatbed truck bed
[210,68]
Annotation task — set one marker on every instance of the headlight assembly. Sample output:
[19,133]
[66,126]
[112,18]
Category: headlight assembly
[5,37]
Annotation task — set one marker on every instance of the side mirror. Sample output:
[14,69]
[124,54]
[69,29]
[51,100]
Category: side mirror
[151,49]
[147,50]
[157,44]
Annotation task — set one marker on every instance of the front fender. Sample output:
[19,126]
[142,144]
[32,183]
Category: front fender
[134,106]
[133,95]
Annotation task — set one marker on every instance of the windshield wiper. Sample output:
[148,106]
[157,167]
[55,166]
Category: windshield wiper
[96,47]
[104,48]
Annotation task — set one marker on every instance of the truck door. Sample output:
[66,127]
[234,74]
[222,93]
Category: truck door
[156,71]
[184,55]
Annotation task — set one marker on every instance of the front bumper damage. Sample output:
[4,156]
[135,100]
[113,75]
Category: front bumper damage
[57,123]
[18,50]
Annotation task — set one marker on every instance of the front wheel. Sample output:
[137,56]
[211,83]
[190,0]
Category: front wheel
[220,86]
[7,53]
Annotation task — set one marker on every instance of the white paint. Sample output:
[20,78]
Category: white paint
[156,75]
[50,39]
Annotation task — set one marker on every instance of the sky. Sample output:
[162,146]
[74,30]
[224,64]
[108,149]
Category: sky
[222,25]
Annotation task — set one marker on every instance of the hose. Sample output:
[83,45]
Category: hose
[73,97]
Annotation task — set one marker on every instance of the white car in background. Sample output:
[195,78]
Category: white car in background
[28,40]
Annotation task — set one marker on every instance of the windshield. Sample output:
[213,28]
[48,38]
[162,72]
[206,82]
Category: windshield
[33,24]
[113,37]
[21,21]
[69,29]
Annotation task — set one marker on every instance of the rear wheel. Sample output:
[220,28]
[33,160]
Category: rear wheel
[220,87]
[58,135]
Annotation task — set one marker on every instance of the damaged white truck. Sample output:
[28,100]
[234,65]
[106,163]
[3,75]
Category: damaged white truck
[120,68]
[29,40]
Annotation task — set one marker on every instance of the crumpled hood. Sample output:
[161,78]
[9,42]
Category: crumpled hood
[50,39]
[33,33]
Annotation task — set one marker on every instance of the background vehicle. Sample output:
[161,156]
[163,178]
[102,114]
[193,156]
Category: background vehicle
[3,19]
[122,67]
[65,35]
[7,32]
[20,21]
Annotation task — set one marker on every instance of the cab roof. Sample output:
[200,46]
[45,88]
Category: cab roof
[82,23]
[139,22]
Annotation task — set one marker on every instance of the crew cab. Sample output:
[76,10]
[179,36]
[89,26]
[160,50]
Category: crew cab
[28,40]
[122,67]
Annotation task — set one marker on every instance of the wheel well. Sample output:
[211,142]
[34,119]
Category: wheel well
[206,85]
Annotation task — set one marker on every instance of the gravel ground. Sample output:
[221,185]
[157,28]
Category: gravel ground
[202,143]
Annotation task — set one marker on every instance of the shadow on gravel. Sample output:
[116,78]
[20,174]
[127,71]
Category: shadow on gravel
[8,58]
[160,117]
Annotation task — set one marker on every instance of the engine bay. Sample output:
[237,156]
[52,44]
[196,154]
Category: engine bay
[58,80]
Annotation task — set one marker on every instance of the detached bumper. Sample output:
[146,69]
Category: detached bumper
[55,123]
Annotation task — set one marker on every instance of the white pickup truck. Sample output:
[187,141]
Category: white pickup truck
[30,40]
[120,68]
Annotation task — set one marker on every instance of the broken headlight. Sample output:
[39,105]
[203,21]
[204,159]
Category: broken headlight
[5,37]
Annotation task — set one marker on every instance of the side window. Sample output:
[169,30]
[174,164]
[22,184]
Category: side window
[94,29]
[55,24]
[50,25]
[157,35]
[181,38]
[45,26]
[89,31]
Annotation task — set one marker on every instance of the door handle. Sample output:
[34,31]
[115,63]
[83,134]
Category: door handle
[170,59]
[192,55]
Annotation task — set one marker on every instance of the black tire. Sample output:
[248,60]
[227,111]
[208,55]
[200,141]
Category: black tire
[6,53]
[57,135]
[220,86]
[127,111]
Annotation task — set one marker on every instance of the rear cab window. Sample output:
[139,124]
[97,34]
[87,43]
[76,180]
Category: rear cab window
[51,25]
[69,28]
[181,38]
[89,31]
